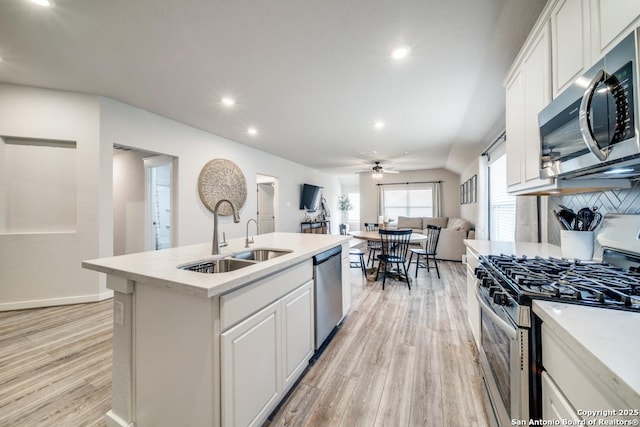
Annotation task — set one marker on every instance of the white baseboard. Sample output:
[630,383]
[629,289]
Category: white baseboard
[113,420]
[49,302]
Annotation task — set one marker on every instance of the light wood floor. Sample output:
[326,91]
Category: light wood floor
[55,365]
[402,358]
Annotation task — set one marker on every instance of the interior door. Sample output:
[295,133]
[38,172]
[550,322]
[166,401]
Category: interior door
[266,207]
[158,200]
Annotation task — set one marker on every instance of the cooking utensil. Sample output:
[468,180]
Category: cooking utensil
[597,218]
[585,217]
[561,221]
[568,215]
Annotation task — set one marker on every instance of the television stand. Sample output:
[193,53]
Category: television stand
[316,227]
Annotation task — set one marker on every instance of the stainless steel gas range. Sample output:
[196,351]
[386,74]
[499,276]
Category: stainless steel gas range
[510,351]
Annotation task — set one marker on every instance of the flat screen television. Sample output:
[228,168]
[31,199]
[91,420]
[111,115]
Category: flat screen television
[310,197]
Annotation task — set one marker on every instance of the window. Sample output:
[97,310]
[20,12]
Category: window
[502,206]
[415,201]
[354,213]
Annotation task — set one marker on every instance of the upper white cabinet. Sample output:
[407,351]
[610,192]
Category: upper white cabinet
[570,42]
[528,91]
[615,18]
[569,36]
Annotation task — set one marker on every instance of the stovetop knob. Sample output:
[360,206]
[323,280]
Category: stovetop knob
[500,298]
[493,290]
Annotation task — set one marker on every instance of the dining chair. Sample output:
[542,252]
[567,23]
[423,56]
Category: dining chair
[372,247]
[393,252]
[429,252]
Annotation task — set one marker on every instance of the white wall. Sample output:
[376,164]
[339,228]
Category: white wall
[43,268]
[134,127]
[39,269]
[128,202]
[369,190]
[469,211]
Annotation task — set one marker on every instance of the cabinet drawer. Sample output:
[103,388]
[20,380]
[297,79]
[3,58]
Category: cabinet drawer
[575,379]
[240,304]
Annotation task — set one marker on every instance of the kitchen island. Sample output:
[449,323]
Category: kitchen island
[192,348]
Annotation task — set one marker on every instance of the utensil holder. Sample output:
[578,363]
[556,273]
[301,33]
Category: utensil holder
[576,244]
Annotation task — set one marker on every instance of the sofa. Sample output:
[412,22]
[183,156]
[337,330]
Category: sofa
[452,234]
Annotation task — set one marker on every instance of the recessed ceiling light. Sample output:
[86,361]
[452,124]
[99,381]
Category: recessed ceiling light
[252,131]
[400,52]
[378,125]
[43,3]
[227,101]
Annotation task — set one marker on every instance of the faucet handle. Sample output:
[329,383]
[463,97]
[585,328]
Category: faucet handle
[224,241]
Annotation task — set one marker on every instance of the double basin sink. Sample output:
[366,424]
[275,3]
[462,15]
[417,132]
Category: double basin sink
[235,261]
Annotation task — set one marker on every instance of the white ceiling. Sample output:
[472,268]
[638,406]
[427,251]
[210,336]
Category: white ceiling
[311,75]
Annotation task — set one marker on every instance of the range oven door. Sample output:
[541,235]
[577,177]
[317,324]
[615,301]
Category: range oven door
[504,359]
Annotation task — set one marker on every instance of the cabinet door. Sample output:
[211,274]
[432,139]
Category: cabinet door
[473,307]
[515,129]
[297,334]
[570,34]
[615,17]
[537,94]
[555,405]
[251,368]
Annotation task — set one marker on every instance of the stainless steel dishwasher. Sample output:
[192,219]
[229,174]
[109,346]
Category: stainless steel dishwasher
[327,272]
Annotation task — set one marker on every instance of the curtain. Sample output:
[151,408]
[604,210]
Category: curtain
[437,199]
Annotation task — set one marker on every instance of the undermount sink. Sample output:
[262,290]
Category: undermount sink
[260,254]
[222,265]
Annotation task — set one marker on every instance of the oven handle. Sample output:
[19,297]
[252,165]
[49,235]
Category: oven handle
[506,327]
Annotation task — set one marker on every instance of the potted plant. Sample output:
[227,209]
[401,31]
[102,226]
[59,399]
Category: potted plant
[344,205]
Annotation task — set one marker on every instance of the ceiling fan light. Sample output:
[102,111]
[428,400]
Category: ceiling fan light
[400,52]
[43,3]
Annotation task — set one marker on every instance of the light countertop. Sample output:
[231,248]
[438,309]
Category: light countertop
[607,340]
[160,267]
[491,247]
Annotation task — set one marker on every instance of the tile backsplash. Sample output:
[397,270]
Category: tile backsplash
[620,201]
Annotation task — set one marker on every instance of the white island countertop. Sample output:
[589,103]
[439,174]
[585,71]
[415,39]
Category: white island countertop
[607,340]
[491,247]
[161,267]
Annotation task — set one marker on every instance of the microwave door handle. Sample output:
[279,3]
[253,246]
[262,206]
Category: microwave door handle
[585,123]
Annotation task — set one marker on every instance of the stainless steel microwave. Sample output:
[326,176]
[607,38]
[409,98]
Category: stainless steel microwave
[591,129]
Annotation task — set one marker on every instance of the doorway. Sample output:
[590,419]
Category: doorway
[158,177]
[267,191]
[143,200]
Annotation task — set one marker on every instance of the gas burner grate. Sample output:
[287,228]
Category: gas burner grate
[572,281]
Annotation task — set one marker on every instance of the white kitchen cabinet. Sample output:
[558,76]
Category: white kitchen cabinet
[615,19]
[528,91]
[251,359]
[473,307]
[579,384]
[555,405]
[297,334]
[264,355]
[571,42]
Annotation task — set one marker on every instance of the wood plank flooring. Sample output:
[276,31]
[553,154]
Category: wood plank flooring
[401,358]
[55,365]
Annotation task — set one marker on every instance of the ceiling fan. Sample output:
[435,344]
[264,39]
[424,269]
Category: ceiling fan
[378,170]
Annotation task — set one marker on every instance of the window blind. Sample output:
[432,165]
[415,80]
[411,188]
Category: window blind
[502,205]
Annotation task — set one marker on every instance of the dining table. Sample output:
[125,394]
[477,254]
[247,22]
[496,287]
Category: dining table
[374,236]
